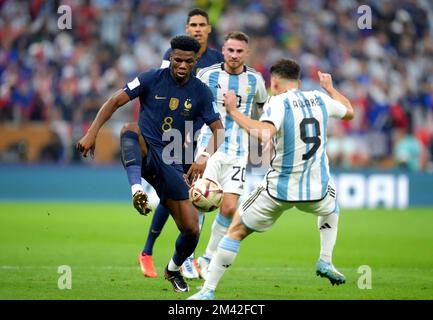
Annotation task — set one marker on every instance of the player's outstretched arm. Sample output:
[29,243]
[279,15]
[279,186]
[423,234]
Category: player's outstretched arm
[87,143]
[326,83]
[264,131]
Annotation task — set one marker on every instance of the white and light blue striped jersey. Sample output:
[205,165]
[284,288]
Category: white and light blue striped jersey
[250,89]
[299,168]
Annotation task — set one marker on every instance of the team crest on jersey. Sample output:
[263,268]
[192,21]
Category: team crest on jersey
[187,107]
[248,89]
[174,103]
[187,104]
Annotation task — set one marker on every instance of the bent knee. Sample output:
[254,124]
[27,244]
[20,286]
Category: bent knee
[238,231]
[228,210]
[191,230]
[130,126]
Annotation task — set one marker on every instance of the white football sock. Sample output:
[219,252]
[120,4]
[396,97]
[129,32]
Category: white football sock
[224,256]
[173,266]
[219,229]
[328,226]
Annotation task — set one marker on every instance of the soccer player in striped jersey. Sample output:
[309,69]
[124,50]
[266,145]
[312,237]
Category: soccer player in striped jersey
[299,175]
[228,164]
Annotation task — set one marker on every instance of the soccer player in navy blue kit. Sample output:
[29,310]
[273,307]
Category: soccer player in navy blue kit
[168,99]
[197,26]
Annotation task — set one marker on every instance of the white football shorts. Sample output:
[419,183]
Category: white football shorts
[260,211]
[228,171]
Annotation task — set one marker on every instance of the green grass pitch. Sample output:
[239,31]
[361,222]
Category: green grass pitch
[100,242]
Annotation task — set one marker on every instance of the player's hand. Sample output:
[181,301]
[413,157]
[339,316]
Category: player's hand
[325,80]
[230,101]
[196,170]
[86,144]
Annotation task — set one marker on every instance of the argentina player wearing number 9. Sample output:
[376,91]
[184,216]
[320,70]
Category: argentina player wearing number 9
[299,176]
[169,98]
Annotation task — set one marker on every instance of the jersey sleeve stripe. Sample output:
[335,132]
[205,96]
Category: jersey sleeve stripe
[323,166]
[287,161]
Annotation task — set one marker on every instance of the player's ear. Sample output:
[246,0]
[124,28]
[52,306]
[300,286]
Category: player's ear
[299,83]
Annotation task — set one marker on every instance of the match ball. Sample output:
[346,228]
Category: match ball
[206,194]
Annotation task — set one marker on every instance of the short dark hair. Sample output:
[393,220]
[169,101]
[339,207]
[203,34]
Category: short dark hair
[238,35]
[287,69]
[197,12]
[185,43]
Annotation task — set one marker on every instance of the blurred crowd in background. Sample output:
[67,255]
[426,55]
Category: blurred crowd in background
[61,77]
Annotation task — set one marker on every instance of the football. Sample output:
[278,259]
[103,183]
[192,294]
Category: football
[206,194]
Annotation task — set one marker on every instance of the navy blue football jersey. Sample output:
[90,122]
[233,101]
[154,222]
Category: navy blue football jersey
[166,106]
[208,58]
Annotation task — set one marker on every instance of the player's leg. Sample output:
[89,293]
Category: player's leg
[231,177]
[133,148]
[186,218]
[224,257]
[327,211]
[257,213]
[220,226]
[159,219]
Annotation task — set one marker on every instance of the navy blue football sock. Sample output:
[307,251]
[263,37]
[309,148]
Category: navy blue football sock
[185,246]
[131,156]
[159,219]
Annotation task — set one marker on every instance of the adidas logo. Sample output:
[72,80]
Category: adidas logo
[331,191]
[325,226]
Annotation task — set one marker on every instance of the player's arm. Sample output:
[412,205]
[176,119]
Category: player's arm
[326,83]
[262,130]
[87,143]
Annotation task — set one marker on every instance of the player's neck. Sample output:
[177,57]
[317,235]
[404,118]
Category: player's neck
[289,85]
[292,86]
[202,50]
[237,70]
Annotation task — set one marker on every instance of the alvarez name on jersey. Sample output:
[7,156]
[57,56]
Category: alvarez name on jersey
[299,169]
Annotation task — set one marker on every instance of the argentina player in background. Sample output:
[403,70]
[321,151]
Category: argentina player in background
[169,99]
[299,175]
[197,26]
[228,164]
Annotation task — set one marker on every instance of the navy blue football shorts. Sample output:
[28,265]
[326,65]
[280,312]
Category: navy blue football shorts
[167,179]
